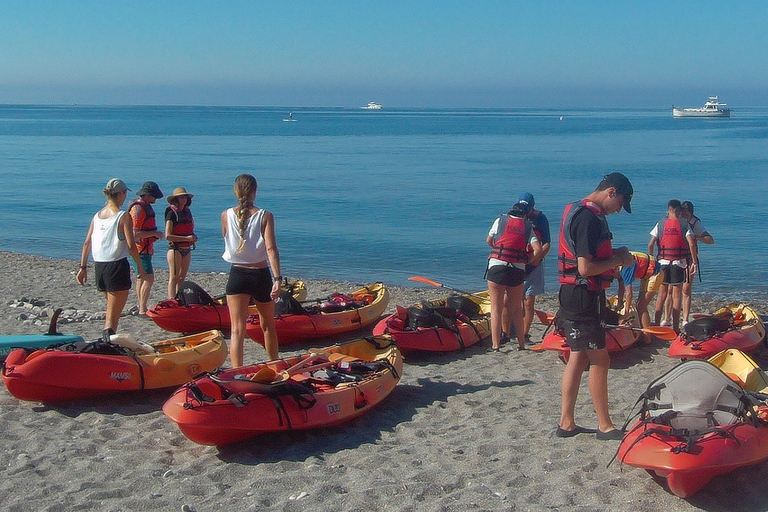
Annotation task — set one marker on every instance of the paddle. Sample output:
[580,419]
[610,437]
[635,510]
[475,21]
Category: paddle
[269,375]
[430,282]
[661,332]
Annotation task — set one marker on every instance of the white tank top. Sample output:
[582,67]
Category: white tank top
[255,250]
[107,240]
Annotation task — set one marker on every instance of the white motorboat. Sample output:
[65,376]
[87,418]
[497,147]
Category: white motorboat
[372,106]
[712,108]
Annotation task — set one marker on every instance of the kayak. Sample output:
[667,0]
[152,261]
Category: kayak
[90,369]
[695,424]
[50,338]
[198,311]
[616,339]
[321,388]
[735,326]
[442,325]
[742,369]
[335,314]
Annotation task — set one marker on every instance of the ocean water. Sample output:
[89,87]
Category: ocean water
[383,195]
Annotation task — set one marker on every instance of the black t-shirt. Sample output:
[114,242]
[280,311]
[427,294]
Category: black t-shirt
[578,303]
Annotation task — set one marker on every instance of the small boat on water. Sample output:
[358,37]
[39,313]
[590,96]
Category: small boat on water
[712,108]
[372,106]
[289,119]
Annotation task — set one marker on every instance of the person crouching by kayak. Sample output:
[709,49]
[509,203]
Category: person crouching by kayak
[110,241]
[586,266]
[251,247]
[510,236]
[180,233]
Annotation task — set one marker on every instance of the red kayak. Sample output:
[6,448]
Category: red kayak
[736,326]
[336,314]
[321,388]
[194,310]
[695,424]
[453,324]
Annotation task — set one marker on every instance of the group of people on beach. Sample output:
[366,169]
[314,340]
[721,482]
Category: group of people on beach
[587,265]
[250,246]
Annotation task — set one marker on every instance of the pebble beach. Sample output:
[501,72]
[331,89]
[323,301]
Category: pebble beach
[468,430]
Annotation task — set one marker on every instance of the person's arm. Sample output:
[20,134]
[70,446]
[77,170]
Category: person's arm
[224,224]
[273,254]
[706,238]
[652,245]
[694,248]
[82,273]
[137,216]
[126,224]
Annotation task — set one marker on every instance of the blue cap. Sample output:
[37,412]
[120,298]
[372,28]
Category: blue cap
[527,198]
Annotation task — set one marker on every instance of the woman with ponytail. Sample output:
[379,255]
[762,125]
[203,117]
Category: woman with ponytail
[250,246]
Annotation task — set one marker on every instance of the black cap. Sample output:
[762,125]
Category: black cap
[151,188]
[621,184]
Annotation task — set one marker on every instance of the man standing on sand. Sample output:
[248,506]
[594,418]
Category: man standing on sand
[145,232]
[677,247]
[586,266]
[534,270]
[700,234]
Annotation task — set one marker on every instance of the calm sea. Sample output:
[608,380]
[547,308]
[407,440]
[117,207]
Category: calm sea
[383,195]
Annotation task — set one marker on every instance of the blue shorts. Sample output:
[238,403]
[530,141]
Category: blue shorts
[534,282]
[146,263]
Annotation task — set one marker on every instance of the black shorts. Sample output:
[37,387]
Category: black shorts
[674,275]
[582,335]
[113,276]
[506,275]
[256,282]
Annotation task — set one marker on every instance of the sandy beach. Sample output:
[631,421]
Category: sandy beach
[462,431]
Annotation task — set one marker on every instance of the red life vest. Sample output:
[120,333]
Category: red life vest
[567,262]
[673,244]
[511,241]
[146,223]
[183,226]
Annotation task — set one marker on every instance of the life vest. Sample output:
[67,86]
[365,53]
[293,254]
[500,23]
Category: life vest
[147,223]
[510,243]
[184,226]
[672,242]
[567,262]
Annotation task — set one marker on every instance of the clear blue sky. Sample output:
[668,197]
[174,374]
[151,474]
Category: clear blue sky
[398,53]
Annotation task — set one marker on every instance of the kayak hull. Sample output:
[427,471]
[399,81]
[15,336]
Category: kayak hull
[293,328]
[227,407]
[746,335]
[53,375]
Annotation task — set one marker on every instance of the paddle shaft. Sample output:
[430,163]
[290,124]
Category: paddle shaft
[664,333]
[425,280]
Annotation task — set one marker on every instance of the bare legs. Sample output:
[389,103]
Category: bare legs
[598,362]
[178,266]
[509,299]
[143,287]
[115,304]
[238,313]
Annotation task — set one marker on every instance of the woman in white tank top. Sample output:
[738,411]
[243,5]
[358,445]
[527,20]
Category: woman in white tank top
[110,241]
[250,246]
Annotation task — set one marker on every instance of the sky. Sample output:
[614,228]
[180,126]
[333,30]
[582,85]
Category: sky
[415,53]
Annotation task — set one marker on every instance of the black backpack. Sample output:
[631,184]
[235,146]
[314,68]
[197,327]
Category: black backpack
[425,315]
[192,293]
[285,304]
[464,305]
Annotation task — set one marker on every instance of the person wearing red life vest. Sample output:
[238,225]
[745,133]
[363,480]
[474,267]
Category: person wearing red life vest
[586,265]
[678,254]
[509,238]
[180,233]
[145,232]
